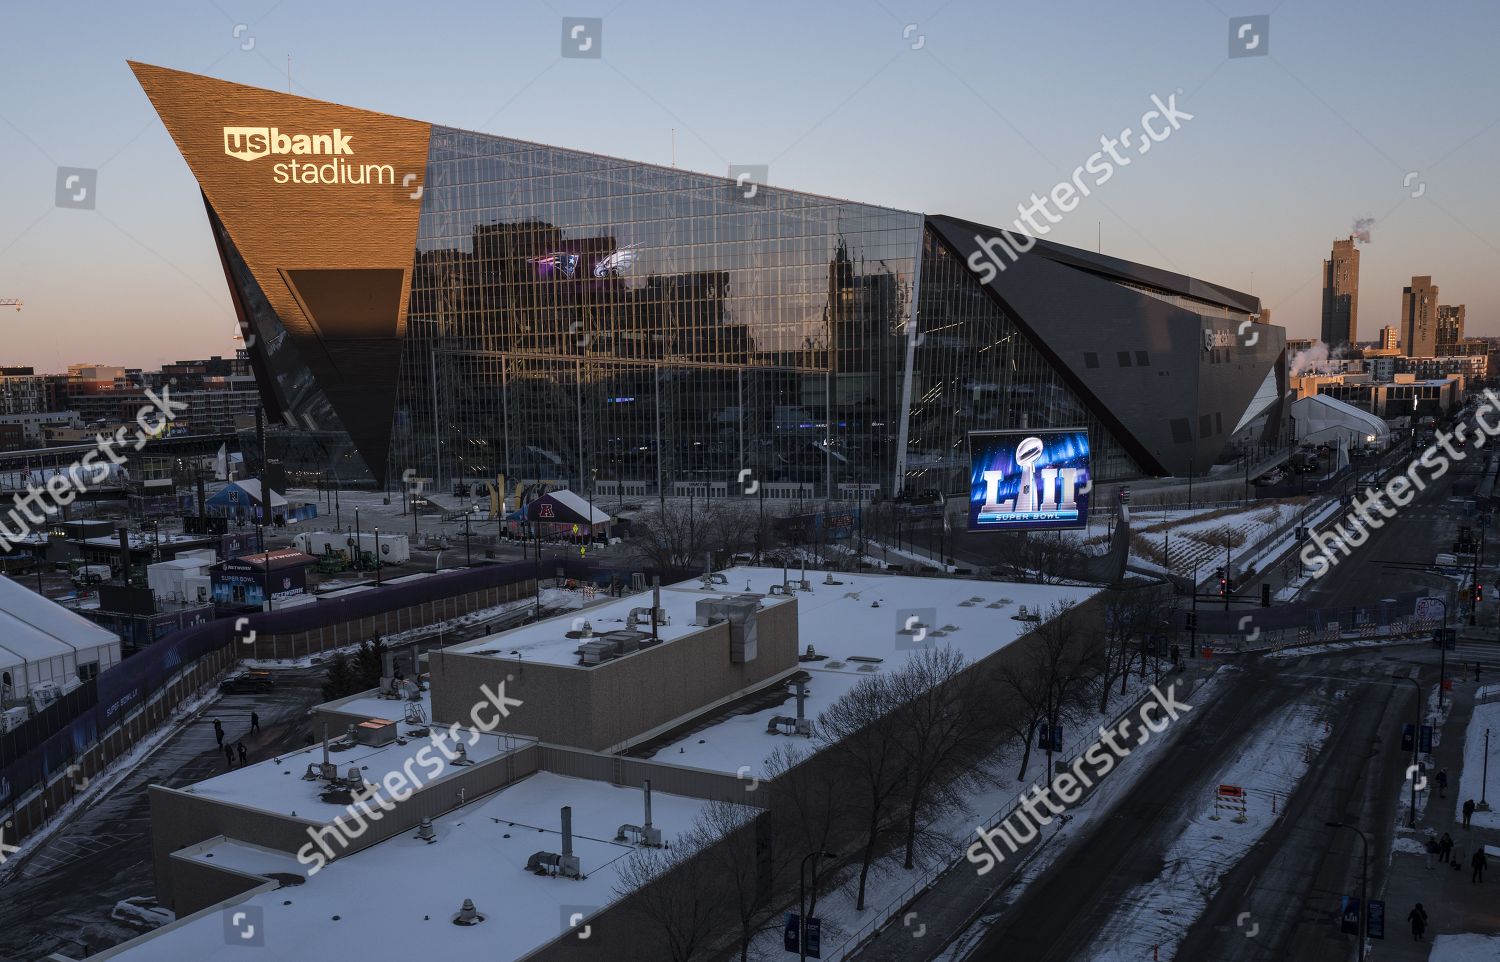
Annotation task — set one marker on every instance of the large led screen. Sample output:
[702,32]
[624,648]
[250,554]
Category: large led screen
[1028,480]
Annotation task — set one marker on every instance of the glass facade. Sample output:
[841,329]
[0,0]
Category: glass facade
[592,320]
[615,325]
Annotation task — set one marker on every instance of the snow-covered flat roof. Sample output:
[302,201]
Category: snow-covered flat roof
[237,856]
[371,705]
[279,788]
[396,899]
[547,641]
[842,622]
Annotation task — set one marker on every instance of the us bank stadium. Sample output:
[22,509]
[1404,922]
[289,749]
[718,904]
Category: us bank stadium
[424,301]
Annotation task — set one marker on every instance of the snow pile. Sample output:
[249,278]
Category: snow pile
[1465,948]
[1485,717]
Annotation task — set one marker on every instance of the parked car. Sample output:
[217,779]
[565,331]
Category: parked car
[251,682]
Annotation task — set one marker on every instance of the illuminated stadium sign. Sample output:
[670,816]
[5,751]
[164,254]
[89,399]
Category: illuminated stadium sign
[1028,480]
[253,143]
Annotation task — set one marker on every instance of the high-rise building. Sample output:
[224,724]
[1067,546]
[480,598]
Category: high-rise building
[1390,338]
[1341,294]
[1450,324]
[1419,310]
[22,391]
[419,300]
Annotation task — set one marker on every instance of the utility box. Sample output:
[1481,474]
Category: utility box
[375,732]
[740,612]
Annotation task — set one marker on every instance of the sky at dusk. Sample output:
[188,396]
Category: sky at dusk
[1376,109]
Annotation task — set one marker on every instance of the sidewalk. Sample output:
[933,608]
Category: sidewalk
[957,900]
[1453,904]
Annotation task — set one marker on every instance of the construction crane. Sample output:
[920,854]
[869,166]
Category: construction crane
[10,302]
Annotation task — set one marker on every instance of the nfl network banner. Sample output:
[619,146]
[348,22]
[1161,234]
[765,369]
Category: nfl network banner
[1028,480]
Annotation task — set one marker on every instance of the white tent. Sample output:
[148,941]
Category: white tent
[1321,419]
[41,642]
[579,505]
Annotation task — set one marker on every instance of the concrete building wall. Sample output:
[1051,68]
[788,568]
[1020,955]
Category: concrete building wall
[614,704]
[201,886]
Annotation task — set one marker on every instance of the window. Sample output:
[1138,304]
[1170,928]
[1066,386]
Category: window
[1142,359]
[1124,357]
[1090,359]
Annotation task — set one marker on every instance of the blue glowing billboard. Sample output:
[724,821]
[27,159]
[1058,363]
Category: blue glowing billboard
[1028,480]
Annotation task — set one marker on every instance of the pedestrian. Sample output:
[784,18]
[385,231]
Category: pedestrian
[1479,863]
[255,729]
[1418,919]
[229,755]
[219,732]
[244,754]
[1445,848]
[1468,811]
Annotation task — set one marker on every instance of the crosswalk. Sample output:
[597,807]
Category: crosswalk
[1482,651]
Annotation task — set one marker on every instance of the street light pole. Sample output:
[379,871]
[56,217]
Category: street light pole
[1484,780]
[377,556]
[1442,654]
[1416,741]
[802,895]
[1364,872]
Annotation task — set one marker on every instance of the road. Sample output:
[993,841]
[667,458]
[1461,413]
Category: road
[62,896]
[1285,890]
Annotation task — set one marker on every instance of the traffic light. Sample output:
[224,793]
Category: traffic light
[1478,593]
[1223,586]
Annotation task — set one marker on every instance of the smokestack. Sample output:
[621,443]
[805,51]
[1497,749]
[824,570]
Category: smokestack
[655,604]
[125,554]
[801,698]
[648,802]
[325,742]
[567,830]
[202,501]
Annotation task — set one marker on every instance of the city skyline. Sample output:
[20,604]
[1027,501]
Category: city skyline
[970,142]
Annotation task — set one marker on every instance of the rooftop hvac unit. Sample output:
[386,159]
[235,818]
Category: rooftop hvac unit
[375,732]
[625,640]
[565,864]
[595,652]
[740,611]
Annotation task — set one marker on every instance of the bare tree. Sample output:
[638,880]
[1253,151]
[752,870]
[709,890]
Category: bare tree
[669,889]
[943,727]
[861,737]
[680,538]
[725,833]
[806,803]
[1024,690]
[1064,655]
[1041,558]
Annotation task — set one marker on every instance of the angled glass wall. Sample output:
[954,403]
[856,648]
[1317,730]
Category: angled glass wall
[587,319]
